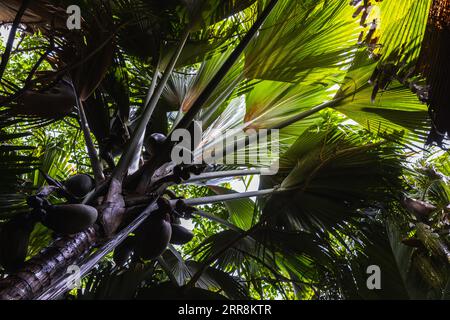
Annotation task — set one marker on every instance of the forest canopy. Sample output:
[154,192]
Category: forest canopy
[339,118]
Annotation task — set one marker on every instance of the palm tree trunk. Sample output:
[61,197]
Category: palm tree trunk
[43,269]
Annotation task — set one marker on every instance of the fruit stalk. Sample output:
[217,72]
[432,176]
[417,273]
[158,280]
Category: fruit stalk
[95,162]
[223,174]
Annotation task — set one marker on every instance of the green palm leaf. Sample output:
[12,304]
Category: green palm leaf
[241,211]
[330,173]
[303,40]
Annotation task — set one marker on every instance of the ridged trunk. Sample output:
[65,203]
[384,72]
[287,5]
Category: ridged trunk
[43,269]
[434,64]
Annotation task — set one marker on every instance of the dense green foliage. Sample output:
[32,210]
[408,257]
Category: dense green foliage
[344,83]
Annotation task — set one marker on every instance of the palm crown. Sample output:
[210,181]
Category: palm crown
[354,90]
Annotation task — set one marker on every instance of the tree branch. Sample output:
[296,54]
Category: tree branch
[137,155]
[226,197]
[223,174]
[134,201]
[92,152]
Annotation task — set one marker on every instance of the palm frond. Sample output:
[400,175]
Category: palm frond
[241,212]
[15,163]
[335,168]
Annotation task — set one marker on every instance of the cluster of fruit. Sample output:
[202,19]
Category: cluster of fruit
[153,236]
[63,219]
[148,242]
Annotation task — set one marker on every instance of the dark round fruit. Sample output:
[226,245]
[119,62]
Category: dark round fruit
[35,202]
[164,205]
[185,174]
[124,251]
[70,218]
[177,170]
[197,169]
[80,185]
[180,206]
[153,236]
[14,238]
[157,138]
[183,209]
[180,235]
